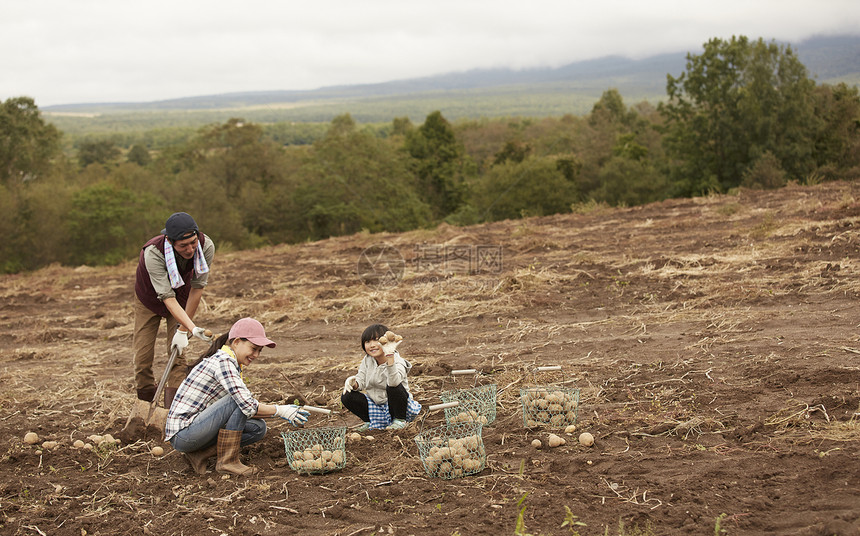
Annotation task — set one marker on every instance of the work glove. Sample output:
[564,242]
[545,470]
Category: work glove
[390,341]
[348,385]
[179,342]
[203,334]
[292,414]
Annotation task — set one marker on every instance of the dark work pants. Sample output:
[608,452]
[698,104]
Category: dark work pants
[356,402]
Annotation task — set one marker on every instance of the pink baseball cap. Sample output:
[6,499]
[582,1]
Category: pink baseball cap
[248,328]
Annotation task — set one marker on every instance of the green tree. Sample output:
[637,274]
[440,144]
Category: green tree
[513,151]
[626,146]
[27,144]
[611,109]
[352,181]
[837,141]
[482,139]
[107,224]
[235,153]
[534,187]
[229,177]
[439,164]
[401,126]
[735,102]
[11,260]
[764,173]
[97,152]
[615,142]
[138,154]
[35,216]
[629,181]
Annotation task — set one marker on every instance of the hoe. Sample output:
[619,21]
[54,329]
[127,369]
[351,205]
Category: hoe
[149,413]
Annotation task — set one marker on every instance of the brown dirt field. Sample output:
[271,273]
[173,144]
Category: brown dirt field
[714,342]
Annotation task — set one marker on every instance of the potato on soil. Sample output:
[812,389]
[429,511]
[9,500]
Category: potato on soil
[536,443]
[555,441]
[157,451]
[586,439]
[31,438]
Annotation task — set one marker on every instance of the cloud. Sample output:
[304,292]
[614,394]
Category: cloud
[112,51]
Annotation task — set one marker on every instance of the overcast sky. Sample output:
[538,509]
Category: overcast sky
[85,51]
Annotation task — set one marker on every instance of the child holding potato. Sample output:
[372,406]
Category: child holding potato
[214,412]
[386,402]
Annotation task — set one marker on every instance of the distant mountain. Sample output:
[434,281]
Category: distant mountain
[828,59]
[831,58]
[647,74]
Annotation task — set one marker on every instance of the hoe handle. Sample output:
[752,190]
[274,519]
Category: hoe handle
[167,368]
[315,409]
[443,406]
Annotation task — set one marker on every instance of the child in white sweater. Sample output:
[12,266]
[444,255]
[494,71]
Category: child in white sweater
[386,402]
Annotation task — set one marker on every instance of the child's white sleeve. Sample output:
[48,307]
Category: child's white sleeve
[397,372]
[361,375]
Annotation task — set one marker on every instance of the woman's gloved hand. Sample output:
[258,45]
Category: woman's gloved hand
[292,414]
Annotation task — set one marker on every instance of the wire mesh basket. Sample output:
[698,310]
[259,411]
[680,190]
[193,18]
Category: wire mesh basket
[550,406]
[477,404]
[316,450]
[452,450]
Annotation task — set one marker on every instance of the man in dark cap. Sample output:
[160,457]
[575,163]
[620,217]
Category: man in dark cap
[172,271]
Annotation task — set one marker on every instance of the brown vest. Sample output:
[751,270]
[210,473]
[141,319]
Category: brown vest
[143,288]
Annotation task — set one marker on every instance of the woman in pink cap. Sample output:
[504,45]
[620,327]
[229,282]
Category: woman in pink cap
[214,412]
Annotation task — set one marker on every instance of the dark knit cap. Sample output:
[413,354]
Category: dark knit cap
[179,225]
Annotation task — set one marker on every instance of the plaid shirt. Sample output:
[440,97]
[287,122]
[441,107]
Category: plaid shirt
[380,416]
[212,379]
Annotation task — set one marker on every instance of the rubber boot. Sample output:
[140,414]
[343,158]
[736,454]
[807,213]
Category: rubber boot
[198,458]
[146,394]
[169,393]
[229,443]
